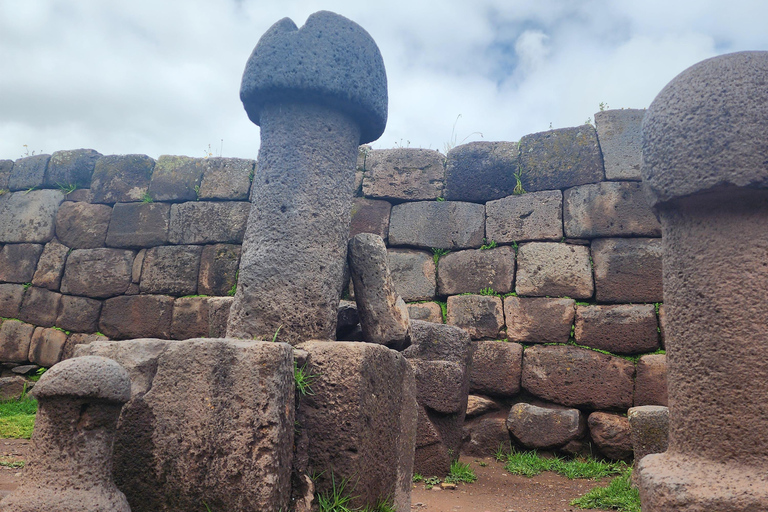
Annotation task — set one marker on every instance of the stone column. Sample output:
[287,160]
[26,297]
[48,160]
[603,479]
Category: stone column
[705,153]
[70,463]
[317,93]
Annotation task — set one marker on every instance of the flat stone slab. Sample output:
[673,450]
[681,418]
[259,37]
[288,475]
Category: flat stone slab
[206,222]
[97,273]
[539,319]
[413,272]
[532,216]
[410,174]
[619,329]
[627,269]
[81,225]
[30,216]
[620,136]
[139,225]
[474,270]
[482,316]
[121,178]
[137,316]
[481,171]
[543,426]
[496,368]
[554,269]
[437,224]
[171,270]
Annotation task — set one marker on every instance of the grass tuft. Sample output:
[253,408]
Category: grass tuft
[618,495]
[530,463]
[17,418]
[461,472]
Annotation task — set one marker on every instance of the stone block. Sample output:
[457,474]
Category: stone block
[176,178]
[370,216]
[5,173]
[218,314]
[139,225]
[15,337]
[608,209]
[627,269]
[544,426]
[79,314]
[539,319]
[440,386]
[40,306]
[649,429]
[437,224]
[11,388]
[81,195]
[97,273]
[578,377]
[29,217]
[620,136]
[76,339]
[497,368]
[28,172]
[218,269]
[209,420]
[651,380]
[662,313]
[199,317]
[562,158]
[81,225]
[554,269]
[474,270]
[611,434]
[10,299]
[484,435]
[121,178]
[409,174]
[620,329]
[226,179]
[46,346]
[207,222]
[346,318]
[171,270]
[18,262]
[50,266]
[426,311]
[532,216]
[482,316]
[137,316]
[71,167]
[138,263]
[413,272]
[478,405]
[439,342]
[481,171]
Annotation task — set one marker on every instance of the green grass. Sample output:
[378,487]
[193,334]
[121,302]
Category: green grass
[461,472]
[6,463]
[303,379]
[438,253]
[530,463]
[618,495]
[17,418]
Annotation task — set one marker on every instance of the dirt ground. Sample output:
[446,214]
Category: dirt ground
[494,491]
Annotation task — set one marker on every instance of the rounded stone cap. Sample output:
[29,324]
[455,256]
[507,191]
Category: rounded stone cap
[330,60]
[85,377]
[708,128]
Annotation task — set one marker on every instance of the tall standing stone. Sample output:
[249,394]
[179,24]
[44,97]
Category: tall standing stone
[705,164]
[317,93]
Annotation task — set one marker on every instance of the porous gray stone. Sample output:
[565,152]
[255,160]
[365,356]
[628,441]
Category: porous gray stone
[413,273]
[40,306]
[196,317]
[440,386]
[171,270]
[533,216]
[76,339]
[370,216]
[404,174]
[71,167]
[18,262]
[5,173]
[218,269]
[649,430]
[544,426]
[554,269]
[226,178]
[78,314]
[425,311]
[10,299]
[620,136]
[121,178]
[50,266]
[97,273]
[611,434]
[139,225]
[619,329]
[176,178]
[474,270]
[496,368]
[11,388]
[29,217]
[28,172]
[651,380]
[485,434]
[627,269]
[218,314]
[81,225]
[45,346]
[15,337]
[478,405]
[207,222]
[481,171]
[437,224]
[539,319]
[482,316]
[137,316]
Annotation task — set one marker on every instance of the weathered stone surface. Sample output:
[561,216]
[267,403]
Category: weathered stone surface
[28,172]
[76,339]
[176,178]
[347,317]
[81,225]
[481,171]
[196,317]
[18,262]
[651,380]
[40,306]
[538,320]
[554,269]
[611,434]
[45,346]
[662,313]
[410,174]
[578,377]
[171,270]
[206,222]
[78,314]
[137,316]
[627,269]
[440,342]
[620,329]
[50,266]
[649,430]
[218,314]
[413,272]
[561,158]
[478,405]
[29,216]
[81,195]
[370,216]
[426,311]
[10,299]
[138,263]
[437,224]
[484,435]
[11,388]
[361,420]
[121,178]
[482,316]
[5,173]
[608,209]
[226,178]
[620,136]
[218,269]
[474,270]
[72,167]
[440,386]
[544,426]
[139,225]
[97,273]
[533,216]
[496,368]
[382,312]
[15,336]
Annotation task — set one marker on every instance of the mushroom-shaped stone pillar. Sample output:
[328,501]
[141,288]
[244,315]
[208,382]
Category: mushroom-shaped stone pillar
[705,164]
[70,462]
[317,93]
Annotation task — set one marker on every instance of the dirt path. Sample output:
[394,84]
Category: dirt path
[11,450]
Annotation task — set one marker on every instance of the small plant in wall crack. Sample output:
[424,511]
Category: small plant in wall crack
[487,245]
[146,198]
[303,379]
[438,253]
[231,291]
[67,188]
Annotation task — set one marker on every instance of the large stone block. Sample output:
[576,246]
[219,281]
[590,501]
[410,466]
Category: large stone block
[413,273]
[176,178]
[28,172]
[15,337]
[71,167]
[81,225]
[121,178]
[651,380]
[5,173]
[481,171]
[533,216]
[171,270]
[79,314]
[620,329]
[370,216]
[10,299]
[207,222]
[200,317]
[649,429]
[45,346]
[578,377]
[76,339]
[496,368]
[218,269]
[539,320]
[137,316]
[18,262]
[620,136]
[554,269]
[484,435]
[440,342]
[608,209]
[611,434]
[40,306]
[440,386]
[12,388]
[226,178]
[544,426]
[426,311]
[50,266]
[218,315]
[437,224]
[29,216]
[410,174]
[474,270]
[139,225]
[627,269]
[562,158]
[209,421]
[97,273]
[482,316]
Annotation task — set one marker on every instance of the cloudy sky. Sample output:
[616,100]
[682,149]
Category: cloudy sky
[163,76]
